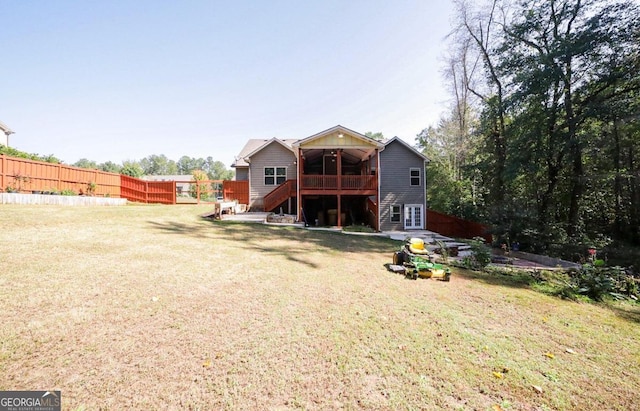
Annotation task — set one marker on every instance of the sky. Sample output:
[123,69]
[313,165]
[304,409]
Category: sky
[121,80]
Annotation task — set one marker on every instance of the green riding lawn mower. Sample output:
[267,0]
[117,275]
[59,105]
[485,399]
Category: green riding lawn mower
[413,260]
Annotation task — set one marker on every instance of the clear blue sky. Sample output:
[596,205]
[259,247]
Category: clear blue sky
[121,80]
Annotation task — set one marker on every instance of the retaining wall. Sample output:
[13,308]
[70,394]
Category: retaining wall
[45,199]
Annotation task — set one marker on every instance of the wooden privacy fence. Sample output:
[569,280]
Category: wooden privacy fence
[236,190]
[142,191]
[164,192]
[26,176]
[451,226]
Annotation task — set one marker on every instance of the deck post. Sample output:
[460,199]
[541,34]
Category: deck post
[299,184]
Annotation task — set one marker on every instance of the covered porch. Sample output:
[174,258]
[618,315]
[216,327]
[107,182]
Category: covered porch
[337,178]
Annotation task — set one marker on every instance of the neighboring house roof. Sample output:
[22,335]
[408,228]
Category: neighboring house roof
[254,145]
[5,129]
[404,143]
[178,177]
[338,129]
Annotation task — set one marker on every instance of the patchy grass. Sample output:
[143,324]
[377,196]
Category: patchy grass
[152,307]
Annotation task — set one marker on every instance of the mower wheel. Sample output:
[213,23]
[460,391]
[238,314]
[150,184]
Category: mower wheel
[398,258]
[411,275]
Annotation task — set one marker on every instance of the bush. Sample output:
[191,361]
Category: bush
[480,255]
[599,282]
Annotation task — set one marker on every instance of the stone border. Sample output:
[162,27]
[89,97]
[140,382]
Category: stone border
[45,199]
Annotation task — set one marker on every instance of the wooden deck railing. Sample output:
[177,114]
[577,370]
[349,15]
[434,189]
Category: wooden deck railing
[324,182]
[280,194]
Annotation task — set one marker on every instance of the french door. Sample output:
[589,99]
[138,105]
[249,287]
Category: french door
[413,216]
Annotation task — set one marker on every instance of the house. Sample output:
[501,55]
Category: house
[337,177]
[4,134]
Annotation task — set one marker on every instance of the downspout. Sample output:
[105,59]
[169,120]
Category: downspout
[249,177]
[379,178]
[424,167]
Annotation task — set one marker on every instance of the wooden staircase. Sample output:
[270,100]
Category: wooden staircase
[280,194]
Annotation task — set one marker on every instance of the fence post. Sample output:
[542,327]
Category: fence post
[59,177]
[3,162]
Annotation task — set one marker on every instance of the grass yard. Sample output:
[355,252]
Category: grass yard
[152,307]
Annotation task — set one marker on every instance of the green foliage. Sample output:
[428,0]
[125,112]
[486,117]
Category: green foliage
[131,169]
[376,136]
[110,167]
[84,163]
[600,282]
[358,229]
[12,152]
[158,165]
[480,255]
[550,156]
[199,189]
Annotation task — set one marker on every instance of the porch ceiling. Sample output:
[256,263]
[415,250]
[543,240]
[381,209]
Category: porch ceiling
[351,156]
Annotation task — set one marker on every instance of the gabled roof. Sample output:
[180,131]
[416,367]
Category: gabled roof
[255,145]
[6,130]
[341,130]
[404,143]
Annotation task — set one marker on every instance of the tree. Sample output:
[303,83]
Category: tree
[552,155]
[131,169]
[375,136]
[84,163]
[474,33]
[216,170]
[158,165]
[564,54]
[110,167]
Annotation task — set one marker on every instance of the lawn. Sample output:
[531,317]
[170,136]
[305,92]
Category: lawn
[152,307]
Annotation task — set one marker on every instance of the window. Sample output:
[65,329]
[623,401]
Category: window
[415,176]
[395,214]
[274,175]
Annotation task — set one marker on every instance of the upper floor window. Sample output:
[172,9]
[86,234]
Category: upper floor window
[415,176]
[274,175]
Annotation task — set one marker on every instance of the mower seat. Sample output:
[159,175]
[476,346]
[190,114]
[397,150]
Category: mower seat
[416,246]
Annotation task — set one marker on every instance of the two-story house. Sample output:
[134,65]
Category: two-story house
[337,177]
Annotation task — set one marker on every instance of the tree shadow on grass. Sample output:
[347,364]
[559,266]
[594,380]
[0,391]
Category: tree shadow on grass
[257,237]
[630,314]
[515,280]
[526,280]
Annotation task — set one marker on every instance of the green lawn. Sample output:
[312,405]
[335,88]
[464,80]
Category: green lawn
[152,307]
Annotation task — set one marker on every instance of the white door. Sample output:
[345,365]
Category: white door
[413,216]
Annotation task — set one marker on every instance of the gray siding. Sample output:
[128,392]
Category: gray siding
[274,155]
[396,160]
[242,173]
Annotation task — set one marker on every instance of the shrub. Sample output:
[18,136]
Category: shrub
[599,282]
[480,255]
